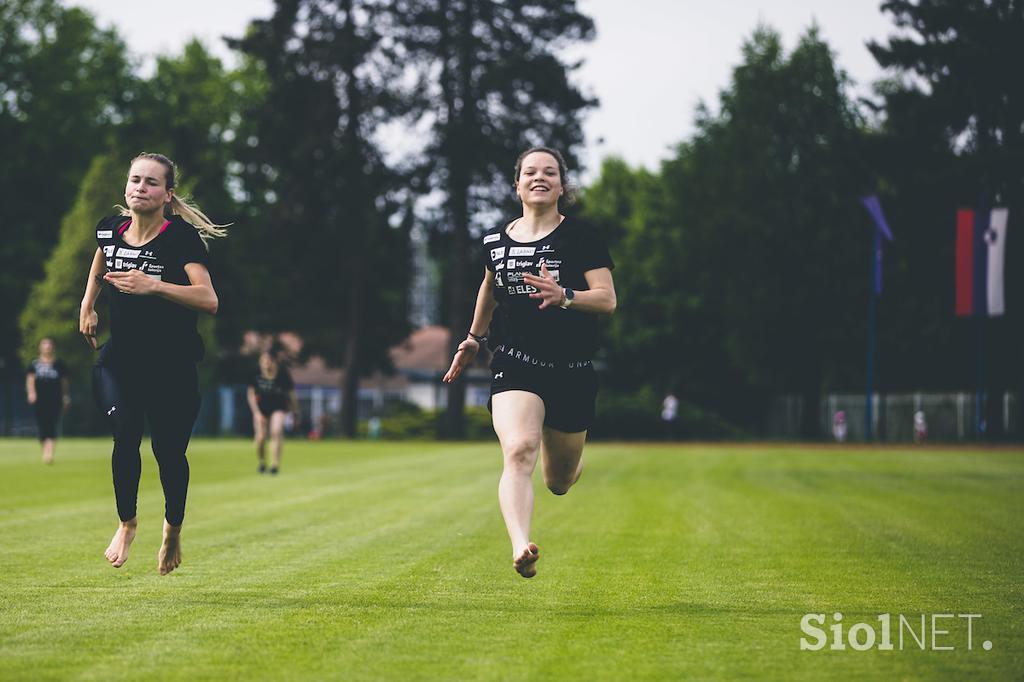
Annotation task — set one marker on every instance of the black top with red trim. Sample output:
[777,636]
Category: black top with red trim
[151,327]
[570,250]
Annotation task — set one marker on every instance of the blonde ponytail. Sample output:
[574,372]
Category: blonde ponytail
[187,209]
[193,215]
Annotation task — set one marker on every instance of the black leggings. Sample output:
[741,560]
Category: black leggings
[168,396]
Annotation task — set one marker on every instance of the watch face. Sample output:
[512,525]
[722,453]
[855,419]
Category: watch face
[570,294]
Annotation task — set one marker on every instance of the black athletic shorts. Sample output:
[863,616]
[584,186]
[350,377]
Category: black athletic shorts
[568,389]
[47,415]
[269,406]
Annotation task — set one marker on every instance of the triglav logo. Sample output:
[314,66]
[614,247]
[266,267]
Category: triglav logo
[937,632]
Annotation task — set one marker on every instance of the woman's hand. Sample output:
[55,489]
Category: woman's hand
[463,358]
[88,321]
[132,282]
[548,290]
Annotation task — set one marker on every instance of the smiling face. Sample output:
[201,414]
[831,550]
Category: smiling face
[146,190]
[540,181]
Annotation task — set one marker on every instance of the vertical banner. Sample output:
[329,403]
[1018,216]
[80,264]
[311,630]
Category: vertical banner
[981,262]
[965,262]
[995,237]
[874,208]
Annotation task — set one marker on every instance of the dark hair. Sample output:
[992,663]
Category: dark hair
[563,169]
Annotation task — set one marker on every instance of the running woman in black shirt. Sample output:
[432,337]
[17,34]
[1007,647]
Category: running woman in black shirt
[546,279]
[153,259]
[271,397]
[46,385]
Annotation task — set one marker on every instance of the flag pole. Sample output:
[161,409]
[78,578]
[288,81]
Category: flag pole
[872,298]
[979,395]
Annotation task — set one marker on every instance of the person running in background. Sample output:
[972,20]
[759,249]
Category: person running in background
[153,258]
[271,398]
[670,414]
[46,386]
[547,278]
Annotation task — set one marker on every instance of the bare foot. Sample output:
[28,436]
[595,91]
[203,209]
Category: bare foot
[117,552]
[169,557]
[526,562]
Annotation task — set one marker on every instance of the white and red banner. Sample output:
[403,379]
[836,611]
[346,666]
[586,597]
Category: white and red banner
[980,262]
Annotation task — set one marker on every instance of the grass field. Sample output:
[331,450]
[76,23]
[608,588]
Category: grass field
[390,561]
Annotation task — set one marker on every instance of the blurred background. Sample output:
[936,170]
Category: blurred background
[722,149]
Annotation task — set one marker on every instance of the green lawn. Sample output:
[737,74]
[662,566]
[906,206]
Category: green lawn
[390,561]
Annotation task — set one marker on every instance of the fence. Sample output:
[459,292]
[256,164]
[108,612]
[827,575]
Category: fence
[949,417]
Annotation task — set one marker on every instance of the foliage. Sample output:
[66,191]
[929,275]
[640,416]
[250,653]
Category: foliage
[952,136]
[326,197]
[64,87]
[747,247]
[425,425]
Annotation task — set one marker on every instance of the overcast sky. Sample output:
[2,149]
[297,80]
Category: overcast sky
[651,63]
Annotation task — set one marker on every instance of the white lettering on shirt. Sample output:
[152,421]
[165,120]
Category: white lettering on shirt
[104,234]
[491,238]
[522,250]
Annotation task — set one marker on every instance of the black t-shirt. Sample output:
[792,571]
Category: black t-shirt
[273,391]
[49,390]
[151,327]
[570,250]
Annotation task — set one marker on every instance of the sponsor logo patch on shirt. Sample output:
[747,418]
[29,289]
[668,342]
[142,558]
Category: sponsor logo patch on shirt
[498,253]
[128,253]
[108,251]
[104,234]
[491,238]
[522,250]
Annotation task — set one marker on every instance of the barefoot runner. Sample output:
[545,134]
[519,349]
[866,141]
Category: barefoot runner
[153,257]
[547,278]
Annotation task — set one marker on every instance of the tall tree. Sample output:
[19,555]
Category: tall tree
[314,169]
[747,254]
[493,84]
[955,108]
[64,85]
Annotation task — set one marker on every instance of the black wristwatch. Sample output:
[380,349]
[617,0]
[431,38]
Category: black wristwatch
[569,296]
[479,339]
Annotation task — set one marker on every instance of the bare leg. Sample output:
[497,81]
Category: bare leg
[169,557]
[259,428]
[562,457]
[276,439]
[48,446]
[117,552]
[518,418]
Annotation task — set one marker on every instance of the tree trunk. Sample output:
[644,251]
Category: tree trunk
[361,235]
[461,122]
